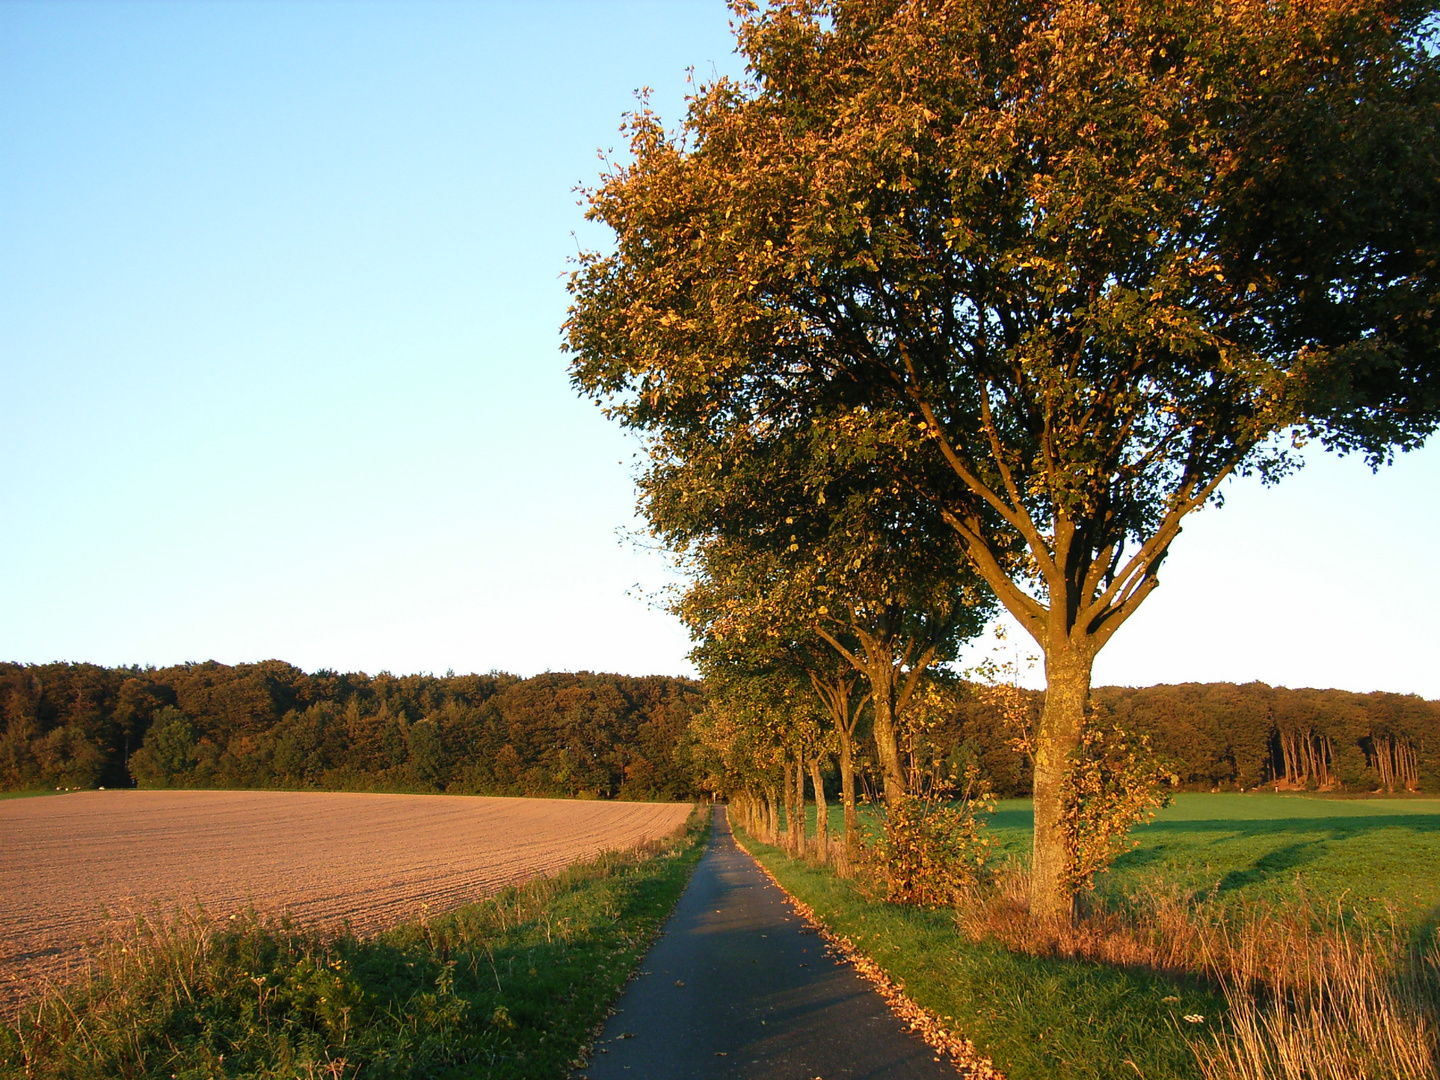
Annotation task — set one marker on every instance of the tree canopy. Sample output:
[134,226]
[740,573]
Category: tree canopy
[1071,264]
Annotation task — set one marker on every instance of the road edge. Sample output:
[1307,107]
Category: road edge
[705,829]
[955,1048]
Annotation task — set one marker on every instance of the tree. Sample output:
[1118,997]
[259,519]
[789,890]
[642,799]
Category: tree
[743,635]
[1080,261]
[835,608]
[742,736]
[168,754]
[800,544]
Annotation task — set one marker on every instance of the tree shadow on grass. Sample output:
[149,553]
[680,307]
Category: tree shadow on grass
[1333,826]
[1285,860]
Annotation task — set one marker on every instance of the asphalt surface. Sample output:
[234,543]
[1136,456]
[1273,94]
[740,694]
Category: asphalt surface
[737,986]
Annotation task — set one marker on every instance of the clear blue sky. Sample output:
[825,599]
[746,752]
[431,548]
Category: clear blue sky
[280,290]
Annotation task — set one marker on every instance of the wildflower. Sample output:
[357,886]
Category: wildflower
[1194,1018]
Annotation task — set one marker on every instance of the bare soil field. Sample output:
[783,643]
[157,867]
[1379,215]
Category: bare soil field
[66,862]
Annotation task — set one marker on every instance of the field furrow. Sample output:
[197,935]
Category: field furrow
[372,860]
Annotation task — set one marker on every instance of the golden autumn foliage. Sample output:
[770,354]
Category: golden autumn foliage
[1051,269]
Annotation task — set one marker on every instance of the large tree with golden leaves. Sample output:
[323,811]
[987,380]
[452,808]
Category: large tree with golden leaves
[1090,257]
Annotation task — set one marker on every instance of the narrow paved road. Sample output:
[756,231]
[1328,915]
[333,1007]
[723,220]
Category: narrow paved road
[738,987]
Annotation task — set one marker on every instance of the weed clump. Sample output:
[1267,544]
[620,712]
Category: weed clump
[932,848]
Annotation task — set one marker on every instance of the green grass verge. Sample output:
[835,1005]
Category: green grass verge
[511,987]
[1036,1018]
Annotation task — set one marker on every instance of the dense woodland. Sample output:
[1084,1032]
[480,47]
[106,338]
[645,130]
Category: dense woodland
[614,736]
[1240,737]
[272,725]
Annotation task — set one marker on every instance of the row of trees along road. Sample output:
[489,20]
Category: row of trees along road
[1045,273]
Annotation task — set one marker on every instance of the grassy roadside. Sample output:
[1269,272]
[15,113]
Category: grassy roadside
[1035,1018]
[511,987]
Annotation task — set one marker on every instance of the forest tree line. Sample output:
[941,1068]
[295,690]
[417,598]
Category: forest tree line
[1239,737]
[273,725]
[617,736]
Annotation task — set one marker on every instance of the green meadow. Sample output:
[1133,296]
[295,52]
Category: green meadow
[1374,856]
[1370,855]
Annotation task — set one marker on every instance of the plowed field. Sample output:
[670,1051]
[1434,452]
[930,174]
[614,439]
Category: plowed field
[66,861]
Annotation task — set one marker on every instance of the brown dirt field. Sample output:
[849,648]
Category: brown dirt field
[68,860]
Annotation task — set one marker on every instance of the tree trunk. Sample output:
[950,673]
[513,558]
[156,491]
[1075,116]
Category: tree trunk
[847,794]
[788,832]
[887,743]
[799,830]
[772,817]
[822,812]
[838,692]
[1062,721]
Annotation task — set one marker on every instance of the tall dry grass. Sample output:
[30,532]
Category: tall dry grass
[1365,1021]
[1313,993]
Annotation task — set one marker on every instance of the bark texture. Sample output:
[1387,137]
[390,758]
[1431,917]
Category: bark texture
[847,794]
[797,821]
[822,812]
[1062,722]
